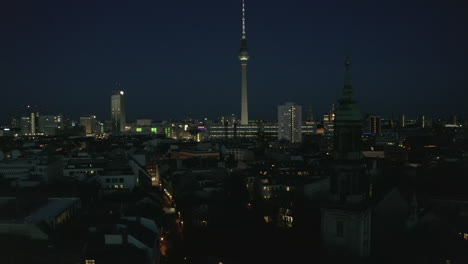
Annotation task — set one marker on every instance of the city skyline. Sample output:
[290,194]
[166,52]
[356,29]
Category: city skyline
[71,55]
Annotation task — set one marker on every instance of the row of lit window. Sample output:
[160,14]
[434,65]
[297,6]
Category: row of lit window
[115,186]
[276,188]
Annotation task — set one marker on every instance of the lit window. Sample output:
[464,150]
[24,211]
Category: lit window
[89,261]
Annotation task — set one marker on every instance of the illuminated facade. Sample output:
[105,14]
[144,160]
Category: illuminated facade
[118,111]
[228,131]
[34,123]
[48,125]
[25,125]
[290,122]
[268,130]
[89,124]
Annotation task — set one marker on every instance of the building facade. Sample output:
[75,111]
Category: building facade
[290,122]
[118,111]
[89,124]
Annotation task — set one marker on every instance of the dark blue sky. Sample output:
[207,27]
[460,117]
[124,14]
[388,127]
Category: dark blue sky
[179,58]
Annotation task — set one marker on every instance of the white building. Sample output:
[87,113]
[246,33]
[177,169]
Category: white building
[23,169]
[290,122]
[83,168]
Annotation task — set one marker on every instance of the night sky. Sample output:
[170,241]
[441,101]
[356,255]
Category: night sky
[178,59]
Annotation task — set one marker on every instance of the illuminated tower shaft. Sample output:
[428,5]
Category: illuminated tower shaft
[244,106]
[244,57]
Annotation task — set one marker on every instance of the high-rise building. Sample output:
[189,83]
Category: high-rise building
[118,111]
[49,124]
[374,125]
[34,123]
[290,122]
[89,124]
[422,120]
[244,57]
[403,120]
[25,125]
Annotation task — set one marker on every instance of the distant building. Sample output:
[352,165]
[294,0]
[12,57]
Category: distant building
[143,122]
[328,122]
[309,126]
[25,125]
[118,111]
[403,120]
[229,128]
[34,123]
[89,124]
[49,124]
[422,121]
[290,122]
[374,125]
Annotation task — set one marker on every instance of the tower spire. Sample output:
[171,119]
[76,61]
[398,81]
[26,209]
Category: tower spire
[244,36]
[347,89]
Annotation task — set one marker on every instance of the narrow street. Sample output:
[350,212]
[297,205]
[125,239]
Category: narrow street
[172,235]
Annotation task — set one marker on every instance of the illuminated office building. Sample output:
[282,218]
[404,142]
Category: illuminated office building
[48,125]
[118,111]
[290,122]
[89,124]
